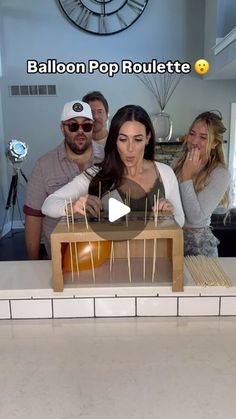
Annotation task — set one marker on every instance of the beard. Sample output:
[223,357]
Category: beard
[79,144]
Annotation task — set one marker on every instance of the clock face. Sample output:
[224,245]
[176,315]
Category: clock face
[103,17]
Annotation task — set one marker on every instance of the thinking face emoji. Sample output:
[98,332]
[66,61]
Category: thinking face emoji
[201,66]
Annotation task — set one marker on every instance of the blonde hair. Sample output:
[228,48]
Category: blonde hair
[215,128]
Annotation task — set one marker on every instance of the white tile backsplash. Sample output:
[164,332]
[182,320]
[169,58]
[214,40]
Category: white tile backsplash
[31,309]
[112,307]
[4,309]
[228,306]
[199,306]
[73,307]
[157,306]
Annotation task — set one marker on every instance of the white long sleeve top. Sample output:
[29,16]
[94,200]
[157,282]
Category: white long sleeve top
[54,205]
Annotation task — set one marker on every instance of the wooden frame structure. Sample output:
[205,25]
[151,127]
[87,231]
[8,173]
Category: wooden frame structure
[167,240]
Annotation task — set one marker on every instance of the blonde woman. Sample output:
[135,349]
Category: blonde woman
[204,180]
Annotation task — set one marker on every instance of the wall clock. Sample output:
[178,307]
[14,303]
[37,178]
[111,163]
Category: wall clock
[103,17]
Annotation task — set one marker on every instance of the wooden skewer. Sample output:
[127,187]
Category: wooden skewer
[99,248]
[204,266]
[72,215]
[85,216]
[128,257]
[155,210]
[144,259]
[154,259]
[110,263]
[196,271]
[210,271]
[76,259]
[112,252]
[71,248]
[144,241]
[70,244]
[156,203]
[227,278]
[145,215]
[71,262]
[92,263]
[99,214]
[111,256]
[73,229]
[126,217]
[100,195]
[218,270]
[67,216]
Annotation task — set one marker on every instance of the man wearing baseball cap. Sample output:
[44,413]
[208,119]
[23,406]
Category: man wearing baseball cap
[76,153]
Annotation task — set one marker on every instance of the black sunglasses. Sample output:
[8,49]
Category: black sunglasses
[74,126]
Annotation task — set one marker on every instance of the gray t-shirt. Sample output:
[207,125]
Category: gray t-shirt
[198,207]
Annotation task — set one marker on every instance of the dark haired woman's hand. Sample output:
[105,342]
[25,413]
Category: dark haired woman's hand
[89,203]
[164,205]
[191,165]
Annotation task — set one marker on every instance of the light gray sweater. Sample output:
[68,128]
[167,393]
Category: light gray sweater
[198,207]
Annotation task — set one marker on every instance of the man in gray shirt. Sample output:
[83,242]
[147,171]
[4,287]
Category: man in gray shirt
[56,168]
[100,109]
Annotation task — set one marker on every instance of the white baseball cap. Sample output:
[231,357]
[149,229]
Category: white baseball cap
[76,109]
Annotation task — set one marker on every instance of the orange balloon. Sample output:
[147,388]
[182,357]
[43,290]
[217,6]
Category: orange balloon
[100,252]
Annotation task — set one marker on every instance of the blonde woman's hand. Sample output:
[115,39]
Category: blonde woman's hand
[191,165]
[164,205]
[89,203]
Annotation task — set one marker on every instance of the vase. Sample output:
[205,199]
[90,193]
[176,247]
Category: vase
[162,124]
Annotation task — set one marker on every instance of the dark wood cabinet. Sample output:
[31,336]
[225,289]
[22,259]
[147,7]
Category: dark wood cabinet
[226,233]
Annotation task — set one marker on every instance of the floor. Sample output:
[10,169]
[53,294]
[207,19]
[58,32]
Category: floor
[118,369]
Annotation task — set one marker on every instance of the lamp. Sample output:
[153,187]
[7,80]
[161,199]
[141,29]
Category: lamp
[17,151]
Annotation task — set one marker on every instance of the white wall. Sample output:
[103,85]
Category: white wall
[3,163]
[169,29]
[226,20]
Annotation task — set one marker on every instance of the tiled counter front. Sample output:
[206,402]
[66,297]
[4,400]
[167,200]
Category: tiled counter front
[25,293]
[117,307]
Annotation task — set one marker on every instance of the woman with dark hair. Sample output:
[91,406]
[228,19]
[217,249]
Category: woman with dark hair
[128,173]
[204,180]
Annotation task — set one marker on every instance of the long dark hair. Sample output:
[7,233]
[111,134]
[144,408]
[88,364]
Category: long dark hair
[112,168]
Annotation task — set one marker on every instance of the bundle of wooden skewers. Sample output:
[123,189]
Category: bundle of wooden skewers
[207,271]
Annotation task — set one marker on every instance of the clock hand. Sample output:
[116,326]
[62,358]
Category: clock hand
[104,7]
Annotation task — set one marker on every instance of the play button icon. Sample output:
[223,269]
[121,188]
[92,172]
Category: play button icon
[116,210]
[123,213]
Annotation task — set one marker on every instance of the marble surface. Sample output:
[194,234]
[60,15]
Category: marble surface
[118,368]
